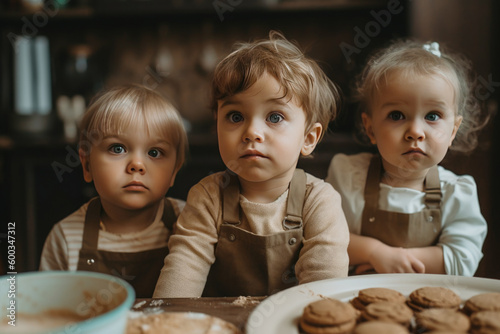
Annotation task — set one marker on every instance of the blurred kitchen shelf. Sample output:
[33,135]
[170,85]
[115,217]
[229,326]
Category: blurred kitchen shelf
[327,4]
[9,16]
[137,8]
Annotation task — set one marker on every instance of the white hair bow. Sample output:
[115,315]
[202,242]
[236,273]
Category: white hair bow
[433,48]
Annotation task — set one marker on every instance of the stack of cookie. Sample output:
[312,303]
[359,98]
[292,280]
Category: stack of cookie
[433,297]
[441,319]
[484,312]
[437,309]
[383,305]
[374,295]
[392,312]
[328,316]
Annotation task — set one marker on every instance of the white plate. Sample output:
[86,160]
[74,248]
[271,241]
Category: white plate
[280,312]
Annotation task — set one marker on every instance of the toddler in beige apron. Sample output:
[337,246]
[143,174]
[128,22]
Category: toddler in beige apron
[140,269]
[251,264]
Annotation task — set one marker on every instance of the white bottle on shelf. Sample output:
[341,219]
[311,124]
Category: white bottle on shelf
[23,77]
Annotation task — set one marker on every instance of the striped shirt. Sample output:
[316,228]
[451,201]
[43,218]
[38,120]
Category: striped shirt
[62,246]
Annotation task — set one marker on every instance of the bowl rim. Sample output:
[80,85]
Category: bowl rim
[98,320]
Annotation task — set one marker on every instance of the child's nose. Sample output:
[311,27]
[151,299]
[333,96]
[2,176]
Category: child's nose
[136,166]
[253,132]
[415,131]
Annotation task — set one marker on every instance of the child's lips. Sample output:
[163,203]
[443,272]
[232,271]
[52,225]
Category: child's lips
[252,154]
[414,151]
[135,185]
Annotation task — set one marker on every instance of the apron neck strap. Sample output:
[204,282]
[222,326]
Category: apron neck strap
[372,186]
[231,200]
[91,227]
[433,192]
[295,201]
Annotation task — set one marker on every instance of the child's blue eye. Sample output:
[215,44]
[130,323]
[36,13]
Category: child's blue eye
[235,117]
[154,153]
[396,115]
[432,116]
[117,149]
[275,118]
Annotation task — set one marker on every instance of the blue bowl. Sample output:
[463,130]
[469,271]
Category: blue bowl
[64,302]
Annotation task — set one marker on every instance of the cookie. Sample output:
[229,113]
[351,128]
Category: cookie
[372,295]
[389,312]
[328,316]
[489,301]
[485,322]
[321,329]
[433,297]
[380,327]
[178,323]
[442,319]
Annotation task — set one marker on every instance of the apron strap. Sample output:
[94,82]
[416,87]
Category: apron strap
[372,185]
[433,192]
[295,201]
[169,217]
[91,226]
[231,200]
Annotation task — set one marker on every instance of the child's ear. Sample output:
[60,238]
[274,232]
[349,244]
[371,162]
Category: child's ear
[456,126]
[311,139]
[172,179]
[84,159]
[367,123]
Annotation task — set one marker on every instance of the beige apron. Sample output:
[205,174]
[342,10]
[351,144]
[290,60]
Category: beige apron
[140,269]
[395,229]
[248,264]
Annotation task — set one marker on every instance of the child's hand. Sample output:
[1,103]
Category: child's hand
[386,259]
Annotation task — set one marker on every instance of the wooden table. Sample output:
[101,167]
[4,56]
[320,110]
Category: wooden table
[232,309]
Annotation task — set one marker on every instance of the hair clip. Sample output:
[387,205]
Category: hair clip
[432,48]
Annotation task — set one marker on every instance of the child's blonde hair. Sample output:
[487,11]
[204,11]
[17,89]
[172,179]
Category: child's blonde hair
[300,77]
[112,111]
[411,58]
